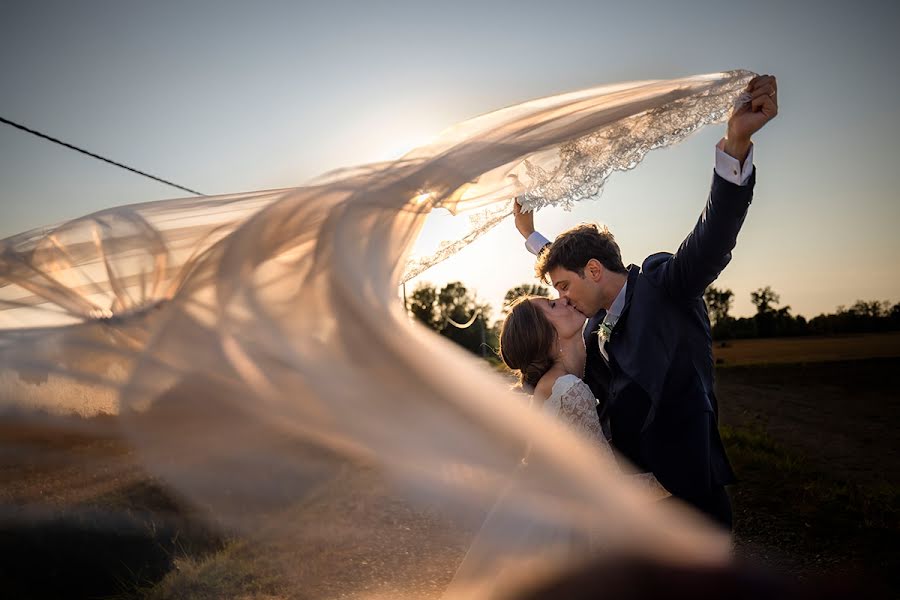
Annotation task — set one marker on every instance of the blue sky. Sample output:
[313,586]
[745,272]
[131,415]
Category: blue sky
[224,97]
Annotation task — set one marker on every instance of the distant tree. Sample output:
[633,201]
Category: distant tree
[787,324]
[771,320]
[765,300]
[718,303]
[893,318]
[866,316]
[423,306]
[455,314]
[454,302]
[872,309]
[525,289]
[742,328]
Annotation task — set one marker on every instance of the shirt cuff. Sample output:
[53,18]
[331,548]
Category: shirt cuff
[729,168]
[536,242]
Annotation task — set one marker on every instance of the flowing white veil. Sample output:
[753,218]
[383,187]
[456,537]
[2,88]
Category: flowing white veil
[256,352]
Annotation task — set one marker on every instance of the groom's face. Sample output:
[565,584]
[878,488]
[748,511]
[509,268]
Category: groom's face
[579,291]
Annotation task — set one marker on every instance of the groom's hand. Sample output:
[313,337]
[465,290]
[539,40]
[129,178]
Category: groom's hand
[524,220]
[752,116]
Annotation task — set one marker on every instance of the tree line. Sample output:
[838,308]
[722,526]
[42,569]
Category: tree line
[446,309]
[770,320]
[454,312]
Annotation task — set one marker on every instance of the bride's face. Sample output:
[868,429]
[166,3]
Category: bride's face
[565,319]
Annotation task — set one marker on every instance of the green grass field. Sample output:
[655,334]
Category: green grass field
[816,448]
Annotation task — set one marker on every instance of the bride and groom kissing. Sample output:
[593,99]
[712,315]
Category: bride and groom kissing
[624,355]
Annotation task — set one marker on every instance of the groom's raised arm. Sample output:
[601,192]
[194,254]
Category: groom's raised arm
[706,251]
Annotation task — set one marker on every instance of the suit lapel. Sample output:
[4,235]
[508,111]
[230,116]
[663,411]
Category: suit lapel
[633,272]
[591,326]
[596,370]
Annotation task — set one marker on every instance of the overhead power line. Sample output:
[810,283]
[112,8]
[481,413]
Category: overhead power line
[97,156]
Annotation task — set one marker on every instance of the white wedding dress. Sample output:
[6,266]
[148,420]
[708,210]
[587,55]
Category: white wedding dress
[253,345]
[573,403]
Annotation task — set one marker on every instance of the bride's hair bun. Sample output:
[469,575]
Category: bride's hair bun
[527,339]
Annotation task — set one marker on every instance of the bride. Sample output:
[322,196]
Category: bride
[542,340]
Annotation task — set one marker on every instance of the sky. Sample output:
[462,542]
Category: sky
[233,96]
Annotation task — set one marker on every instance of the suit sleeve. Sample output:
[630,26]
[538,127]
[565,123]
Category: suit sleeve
[706,250]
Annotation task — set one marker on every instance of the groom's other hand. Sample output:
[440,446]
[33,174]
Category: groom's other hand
[524,220]
[752,116]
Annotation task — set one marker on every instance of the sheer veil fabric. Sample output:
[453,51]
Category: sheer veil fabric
[257,354]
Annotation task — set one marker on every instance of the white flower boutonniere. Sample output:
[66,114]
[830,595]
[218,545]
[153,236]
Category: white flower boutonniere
[604,332]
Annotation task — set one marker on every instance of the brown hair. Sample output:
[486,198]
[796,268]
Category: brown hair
[572,250]
[527,340]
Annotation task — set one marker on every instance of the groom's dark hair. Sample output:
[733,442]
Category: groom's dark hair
[572,250]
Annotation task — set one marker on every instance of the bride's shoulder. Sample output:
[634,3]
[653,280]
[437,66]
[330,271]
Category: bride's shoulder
[565,382]
[544,387]
[554,384]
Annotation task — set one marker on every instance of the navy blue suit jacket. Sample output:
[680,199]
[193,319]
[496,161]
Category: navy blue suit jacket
[657,390]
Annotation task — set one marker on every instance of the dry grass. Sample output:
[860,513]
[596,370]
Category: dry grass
[810,349]
[238,571]
[57,395]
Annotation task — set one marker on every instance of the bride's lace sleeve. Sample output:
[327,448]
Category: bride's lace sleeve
[573,402]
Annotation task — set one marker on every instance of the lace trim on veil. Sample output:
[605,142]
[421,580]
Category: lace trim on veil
[577,170]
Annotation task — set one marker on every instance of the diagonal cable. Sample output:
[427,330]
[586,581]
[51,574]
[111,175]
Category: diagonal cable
[91,154]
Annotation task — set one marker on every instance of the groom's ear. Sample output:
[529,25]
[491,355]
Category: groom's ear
[594,269]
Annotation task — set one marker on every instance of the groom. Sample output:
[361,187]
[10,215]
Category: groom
[648,337]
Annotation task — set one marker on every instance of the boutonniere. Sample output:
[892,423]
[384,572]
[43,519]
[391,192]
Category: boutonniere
[604,331]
